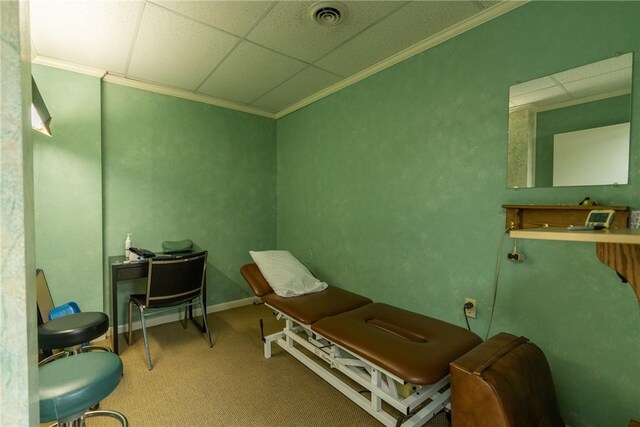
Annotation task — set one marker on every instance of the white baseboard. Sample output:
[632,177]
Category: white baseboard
[175,316]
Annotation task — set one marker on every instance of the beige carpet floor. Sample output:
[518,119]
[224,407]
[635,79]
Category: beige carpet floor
[230,384]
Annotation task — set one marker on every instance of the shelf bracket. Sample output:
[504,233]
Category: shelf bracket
[623,258]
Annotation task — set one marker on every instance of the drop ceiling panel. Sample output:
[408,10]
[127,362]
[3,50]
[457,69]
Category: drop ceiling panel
[604,78]
[620,63]
[603,83]
[531,86]
[402,29]
[547,96]
[289,29]
[236,17]
[234,51]
[94,34]
[249,72]
[175,51]
[300,86]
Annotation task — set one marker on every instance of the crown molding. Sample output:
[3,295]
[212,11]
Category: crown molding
[68,66]
[185,94]
[150,87]
[487,15]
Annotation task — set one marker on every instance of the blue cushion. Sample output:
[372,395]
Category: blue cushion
[71,385]
[64,310]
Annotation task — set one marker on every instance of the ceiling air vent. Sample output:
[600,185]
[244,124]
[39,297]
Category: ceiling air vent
[328,14]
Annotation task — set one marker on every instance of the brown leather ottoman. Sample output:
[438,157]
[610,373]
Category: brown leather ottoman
[504,382]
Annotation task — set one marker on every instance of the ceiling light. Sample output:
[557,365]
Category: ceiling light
[328,14]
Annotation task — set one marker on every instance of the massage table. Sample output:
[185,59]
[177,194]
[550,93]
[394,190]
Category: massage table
[412,363]
[395,356]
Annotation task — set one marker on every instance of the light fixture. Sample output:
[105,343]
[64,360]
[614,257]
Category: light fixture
[40,117]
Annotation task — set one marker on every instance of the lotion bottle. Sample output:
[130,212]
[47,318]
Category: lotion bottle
[127,245]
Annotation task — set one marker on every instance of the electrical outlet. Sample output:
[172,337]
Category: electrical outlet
[515,256]
[470,312]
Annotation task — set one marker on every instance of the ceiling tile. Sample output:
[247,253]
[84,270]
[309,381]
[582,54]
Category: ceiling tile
[175,51]
[288,27]
[249,72]
[299,87]
[488,3]
[622,62]
[602,83]
[94,34]
[531,86]
[542,97]
[236,17]
[615,64]
[406,27]
[200,45]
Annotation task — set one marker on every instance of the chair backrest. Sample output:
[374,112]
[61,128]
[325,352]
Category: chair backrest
[43,297]
[174,281]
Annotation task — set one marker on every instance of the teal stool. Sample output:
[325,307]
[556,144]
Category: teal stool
[71,385]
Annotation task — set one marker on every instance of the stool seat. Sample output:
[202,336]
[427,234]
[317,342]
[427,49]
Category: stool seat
[75,329]
[71,385]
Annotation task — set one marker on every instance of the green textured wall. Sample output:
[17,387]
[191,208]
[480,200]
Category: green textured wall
[595,114]
[18,329]
[176,169]
[392,188]
[68,188]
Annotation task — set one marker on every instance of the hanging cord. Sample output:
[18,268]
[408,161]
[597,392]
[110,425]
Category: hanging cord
[466,318]
[495,284]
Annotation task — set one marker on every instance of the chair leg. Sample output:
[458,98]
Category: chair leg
[186,316]
[146,338]
[129,322]
[204,321]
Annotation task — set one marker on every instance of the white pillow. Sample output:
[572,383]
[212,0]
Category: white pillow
[287,276]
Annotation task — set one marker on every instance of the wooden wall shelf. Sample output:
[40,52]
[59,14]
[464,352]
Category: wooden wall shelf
[536,216]
[617,235]
[618,247]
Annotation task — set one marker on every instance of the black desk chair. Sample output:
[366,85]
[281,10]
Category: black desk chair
[171,283]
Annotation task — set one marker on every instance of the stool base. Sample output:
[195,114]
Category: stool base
[78,421]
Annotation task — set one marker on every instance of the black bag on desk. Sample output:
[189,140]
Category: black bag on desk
[142,252]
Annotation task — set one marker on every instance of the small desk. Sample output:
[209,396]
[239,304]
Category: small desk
[137,270]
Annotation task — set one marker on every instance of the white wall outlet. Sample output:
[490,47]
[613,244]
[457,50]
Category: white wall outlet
[470,312]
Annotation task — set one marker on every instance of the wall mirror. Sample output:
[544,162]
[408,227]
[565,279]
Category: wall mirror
[571,128]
